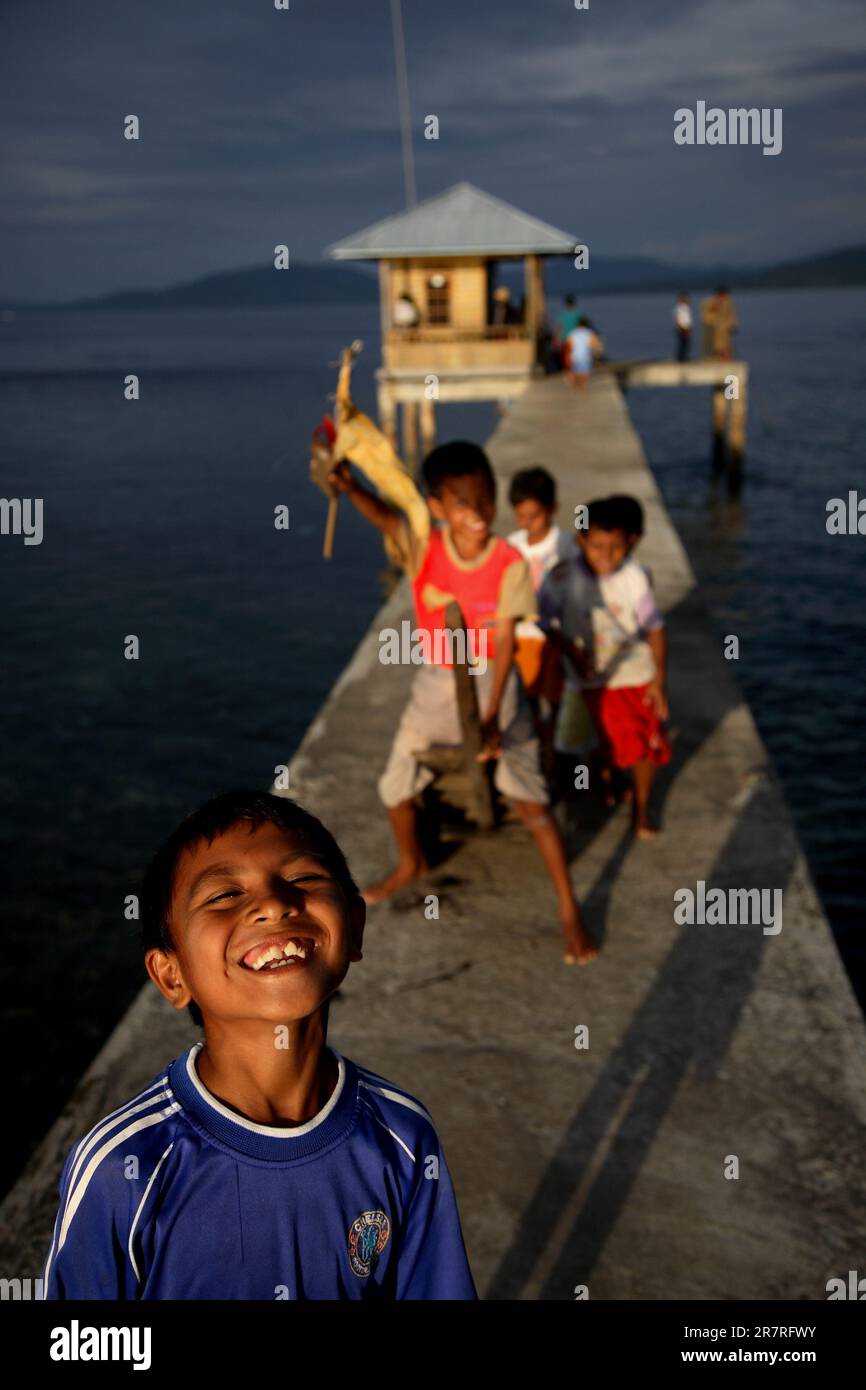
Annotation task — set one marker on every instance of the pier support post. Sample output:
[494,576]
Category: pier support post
[410,434]
[387,414]
[428,425]
[720,421]
[737,433]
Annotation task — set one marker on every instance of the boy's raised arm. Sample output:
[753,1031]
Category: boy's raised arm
[384,518]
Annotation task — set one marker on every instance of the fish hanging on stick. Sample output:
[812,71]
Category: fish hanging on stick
[353,436]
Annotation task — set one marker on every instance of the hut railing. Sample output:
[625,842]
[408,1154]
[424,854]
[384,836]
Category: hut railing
[444,333]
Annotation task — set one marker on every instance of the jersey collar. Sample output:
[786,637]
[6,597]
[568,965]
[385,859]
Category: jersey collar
[265,1141]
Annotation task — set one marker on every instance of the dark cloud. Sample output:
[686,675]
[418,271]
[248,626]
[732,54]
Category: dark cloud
[260,126]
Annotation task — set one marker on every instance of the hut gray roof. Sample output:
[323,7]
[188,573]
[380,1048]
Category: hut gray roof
[462,221]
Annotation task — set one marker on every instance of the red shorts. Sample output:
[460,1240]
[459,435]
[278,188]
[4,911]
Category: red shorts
[628,729]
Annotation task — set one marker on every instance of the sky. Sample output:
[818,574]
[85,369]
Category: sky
[261,127]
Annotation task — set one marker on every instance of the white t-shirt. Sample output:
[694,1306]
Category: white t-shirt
[609,615]
[683,317]
[581,344]
[557,545]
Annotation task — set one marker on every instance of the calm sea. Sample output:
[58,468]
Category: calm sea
[159,523]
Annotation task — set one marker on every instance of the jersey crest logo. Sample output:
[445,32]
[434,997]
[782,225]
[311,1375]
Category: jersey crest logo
[368,1236]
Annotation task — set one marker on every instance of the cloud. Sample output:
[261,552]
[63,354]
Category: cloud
[254,119]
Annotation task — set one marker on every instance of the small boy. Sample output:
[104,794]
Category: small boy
[261,1164]
[583,348]
[600,609]
[465,562]
[542,544]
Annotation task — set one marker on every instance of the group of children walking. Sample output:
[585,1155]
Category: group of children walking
[576,647]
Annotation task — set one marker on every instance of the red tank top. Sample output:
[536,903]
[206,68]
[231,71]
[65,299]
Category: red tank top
[476,590]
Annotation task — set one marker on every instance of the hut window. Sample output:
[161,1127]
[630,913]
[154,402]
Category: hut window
[438,306]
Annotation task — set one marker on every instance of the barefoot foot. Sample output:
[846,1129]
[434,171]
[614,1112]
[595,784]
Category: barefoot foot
[580,949]
[643,830]
[404,873]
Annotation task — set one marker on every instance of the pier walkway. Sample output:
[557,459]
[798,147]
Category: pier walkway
[602,1167]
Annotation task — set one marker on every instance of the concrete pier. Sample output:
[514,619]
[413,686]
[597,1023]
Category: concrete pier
[604,1166]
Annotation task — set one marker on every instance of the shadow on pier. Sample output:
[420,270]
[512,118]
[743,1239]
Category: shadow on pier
[684,1025]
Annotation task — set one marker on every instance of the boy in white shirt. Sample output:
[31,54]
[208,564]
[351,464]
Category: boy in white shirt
[542,544]
[599,608]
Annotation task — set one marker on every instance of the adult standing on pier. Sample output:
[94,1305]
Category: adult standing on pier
[719,318]
[683,327]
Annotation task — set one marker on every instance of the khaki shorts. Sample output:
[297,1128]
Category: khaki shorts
[431,718]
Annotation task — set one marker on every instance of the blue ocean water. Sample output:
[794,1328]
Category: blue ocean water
[159,523]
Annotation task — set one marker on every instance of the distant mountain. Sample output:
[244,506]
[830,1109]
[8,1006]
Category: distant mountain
[847,267]
[259,287]
[609,275]
[305,283]
[643,274]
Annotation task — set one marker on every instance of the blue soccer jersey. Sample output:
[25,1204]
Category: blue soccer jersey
[174,1196]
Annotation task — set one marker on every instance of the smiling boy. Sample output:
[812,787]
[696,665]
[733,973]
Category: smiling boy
[462,560]
[261,1164]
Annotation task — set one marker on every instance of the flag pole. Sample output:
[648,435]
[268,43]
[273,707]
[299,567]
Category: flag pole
[403,95]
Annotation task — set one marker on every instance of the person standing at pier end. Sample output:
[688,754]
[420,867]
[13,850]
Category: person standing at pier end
[719,319]
[600,609]
[683,327]
[462,561]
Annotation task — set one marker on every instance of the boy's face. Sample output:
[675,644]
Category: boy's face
[262,929]
[603,551]
[534,518]
[467,507]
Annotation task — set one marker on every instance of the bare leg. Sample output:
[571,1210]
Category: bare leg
[410,860]
[538,819]
[644,773]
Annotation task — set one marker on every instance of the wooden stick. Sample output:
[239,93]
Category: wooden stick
[330,524]
[470,725]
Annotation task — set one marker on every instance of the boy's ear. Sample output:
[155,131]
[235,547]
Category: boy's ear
[164,969]
[436,508]
[357,920]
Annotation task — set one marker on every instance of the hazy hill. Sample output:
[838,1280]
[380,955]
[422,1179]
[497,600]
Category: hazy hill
[306,283]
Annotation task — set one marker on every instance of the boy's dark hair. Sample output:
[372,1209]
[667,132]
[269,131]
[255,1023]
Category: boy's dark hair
[630,513]
[604,515]
[569,301]
[214,818]
[455,461]
[533,485]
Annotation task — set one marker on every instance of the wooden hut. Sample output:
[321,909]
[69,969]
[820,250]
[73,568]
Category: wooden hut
[451,329]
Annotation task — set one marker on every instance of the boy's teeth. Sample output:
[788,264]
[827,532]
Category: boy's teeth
[272,953]
[279,953]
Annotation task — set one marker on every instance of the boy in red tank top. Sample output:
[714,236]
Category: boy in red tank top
[489,579]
